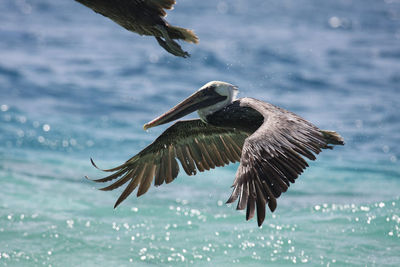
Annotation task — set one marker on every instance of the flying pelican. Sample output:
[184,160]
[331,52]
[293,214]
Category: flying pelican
[145,17]
[268,141]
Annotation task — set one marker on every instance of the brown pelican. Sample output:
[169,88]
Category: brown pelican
[268,141]
[145,17]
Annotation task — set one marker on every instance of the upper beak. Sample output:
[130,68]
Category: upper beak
[198,100]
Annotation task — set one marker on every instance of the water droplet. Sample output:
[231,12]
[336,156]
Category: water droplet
[41,139]
[334,22]
[89,143]
[46,127]
[22,119]
[134,209]
[70,223]
[359,123]
[4,108]
[72,142]
[385,149]
[222,7]
[20,133]
[153,58]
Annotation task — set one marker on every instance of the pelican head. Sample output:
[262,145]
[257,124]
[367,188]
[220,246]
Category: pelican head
[209,98]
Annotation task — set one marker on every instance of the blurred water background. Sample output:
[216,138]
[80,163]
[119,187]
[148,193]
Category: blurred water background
[74,85]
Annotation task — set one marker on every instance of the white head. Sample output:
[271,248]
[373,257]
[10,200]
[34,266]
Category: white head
[210,98]
[223,89]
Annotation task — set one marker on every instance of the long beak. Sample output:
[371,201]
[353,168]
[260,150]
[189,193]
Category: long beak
[196,101]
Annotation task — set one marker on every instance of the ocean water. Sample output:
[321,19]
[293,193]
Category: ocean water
[74,85]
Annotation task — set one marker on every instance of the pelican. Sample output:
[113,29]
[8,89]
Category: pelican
[145,17]
[269,142]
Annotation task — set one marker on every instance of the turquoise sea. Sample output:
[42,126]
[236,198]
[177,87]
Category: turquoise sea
[74,85]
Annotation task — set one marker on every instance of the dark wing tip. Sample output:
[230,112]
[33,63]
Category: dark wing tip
[94,164]
[105,188]
[108,170]
[120,199]
[234,195]
[333,137]
[272,204]
[230,200]
[172,47]
[260,221]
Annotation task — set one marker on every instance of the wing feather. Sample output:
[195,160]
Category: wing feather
[110,177]
[195,152]
[272,157]
[157,174]
[184,160]
[228,150]
[244,193]
[251,201]
[169,176]
[162,171]
[218,158]
[121,181]
[231,148]
[221,149]
[147,178]
[195,144]
[206,157]
[260,202]
[189,159]
[131,186]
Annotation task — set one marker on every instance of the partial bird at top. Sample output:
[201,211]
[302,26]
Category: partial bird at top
[269,142]
[145,17]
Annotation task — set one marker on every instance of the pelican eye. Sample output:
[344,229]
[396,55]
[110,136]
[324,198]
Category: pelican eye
[208,89]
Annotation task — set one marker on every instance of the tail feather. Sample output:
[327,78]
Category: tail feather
[333,137]
[182,33]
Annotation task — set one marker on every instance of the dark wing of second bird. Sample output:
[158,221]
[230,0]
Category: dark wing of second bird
[131,13]
[197,145]
[145,17]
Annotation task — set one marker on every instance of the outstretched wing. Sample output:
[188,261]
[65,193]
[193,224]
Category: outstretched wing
[197,145]
[272,157]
